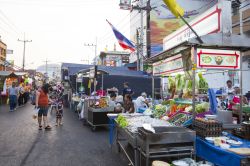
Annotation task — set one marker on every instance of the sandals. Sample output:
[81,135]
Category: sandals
[47,127]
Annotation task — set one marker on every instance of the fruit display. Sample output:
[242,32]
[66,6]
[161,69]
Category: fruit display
[122,121]
[180,119]
[103,103]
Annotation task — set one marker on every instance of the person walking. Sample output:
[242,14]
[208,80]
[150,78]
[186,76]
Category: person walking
[21,95]
[13,92]
[42,103]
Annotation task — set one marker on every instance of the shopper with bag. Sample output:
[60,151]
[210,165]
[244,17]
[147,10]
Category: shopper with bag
[42,103]
[13,91]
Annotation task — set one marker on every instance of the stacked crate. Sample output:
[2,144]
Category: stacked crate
[207,128]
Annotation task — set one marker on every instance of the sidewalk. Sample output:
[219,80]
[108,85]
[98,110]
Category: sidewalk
[22,144]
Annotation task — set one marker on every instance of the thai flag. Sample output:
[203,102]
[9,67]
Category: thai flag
[122,40]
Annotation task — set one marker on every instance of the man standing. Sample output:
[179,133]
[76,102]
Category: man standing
[127,90]
[13,91]
[228,92]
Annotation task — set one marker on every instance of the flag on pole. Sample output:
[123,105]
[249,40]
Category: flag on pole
[122,40]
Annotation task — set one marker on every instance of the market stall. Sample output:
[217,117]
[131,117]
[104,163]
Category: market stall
[189,62]
[95,108]
[144,139]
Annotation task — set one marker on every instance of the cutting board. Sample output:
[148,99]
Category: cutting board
[240,151]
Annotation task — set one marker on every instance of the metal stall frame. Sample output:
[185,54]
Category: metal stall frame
[217,41]
[125,137]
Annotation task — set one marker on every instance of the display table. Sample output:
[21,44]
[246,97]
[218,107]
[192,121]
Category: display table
[98,116]
[219,156]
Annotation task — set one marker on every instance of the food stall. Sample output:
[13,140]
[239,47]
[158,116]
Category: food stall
[217,52]
[95,107]
[144,139]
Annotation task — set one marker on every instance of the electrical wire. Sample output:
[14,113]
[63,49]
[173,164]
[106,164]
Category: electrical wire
[10,23]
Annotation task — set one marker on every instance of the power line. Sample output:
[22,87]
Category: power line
[10,24]
[24,47]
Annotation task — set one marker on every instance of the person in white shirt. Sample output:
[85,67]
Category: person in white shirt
[112,102]
[141,101]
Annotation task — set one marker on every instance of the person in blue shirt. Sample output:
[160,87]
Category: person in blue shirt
[127,90]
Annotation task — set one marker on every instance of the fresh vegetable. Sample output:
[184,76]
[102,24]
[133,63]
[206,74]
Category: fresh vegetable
[159,110]
[178,83]
[171,84]
[122,121]
[203,85]
[189,109]
[203,107]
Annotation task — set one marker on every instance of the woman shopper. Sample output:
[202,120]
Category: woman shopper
[42,103]
[13,92]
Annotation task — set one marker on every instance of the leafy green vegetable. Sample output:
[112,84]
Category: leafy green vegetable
[203,85]
[122,121]
[203,107]
[159,110]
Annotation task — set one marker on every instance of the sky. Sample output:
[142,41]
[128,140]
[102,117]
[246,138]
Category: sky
[60,28]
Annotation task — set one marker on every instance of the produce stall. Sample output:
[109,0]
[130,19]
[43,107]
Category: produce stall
[144,139]
[189,62]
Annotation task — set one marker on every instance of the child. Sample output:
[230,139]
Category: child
[59,113]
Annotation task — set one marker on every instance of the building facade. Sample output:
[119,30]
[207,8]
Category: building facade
[241,26]
[114,58]
[3,48]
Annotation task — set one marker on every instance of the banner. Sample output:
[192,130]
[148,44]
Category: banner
[222,59]
[168,65]
[163,22]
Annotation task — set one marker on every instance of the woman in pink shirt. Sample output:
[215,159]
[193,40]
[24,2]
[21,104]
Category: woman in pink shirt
[236,99]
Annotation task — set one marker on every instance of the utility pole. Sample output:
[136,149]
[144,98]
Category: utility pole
[138,50]
[93,45]
[46,67]
[142,8]
[141,36]
[24,47]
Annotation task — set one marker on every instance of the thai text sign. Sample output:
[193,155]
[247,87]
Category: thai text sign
[169,65]
[206,23]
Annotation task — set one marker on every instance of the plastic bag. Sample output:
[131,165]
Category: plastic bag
[8,101]
[36,110]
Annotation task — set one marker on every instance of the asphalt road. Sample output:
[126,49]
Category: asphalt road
[22,144]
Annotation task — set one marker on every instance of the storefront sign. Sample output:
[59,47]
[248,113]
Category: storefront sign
[208,22]
[169,65]
[222,59]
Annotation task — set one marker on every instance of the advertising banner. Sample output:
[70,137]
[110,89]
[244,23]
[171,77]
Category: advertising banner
[218,59]
[163,22]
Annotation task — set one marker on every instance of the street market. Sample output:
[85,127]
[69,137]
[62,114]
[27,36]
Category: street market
[175,93]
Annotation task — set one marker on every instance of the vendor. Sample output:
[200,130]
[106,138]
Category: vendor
[128,104]
[229,90]
[236,98]
[127,90]
[112,102]
[141,101]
